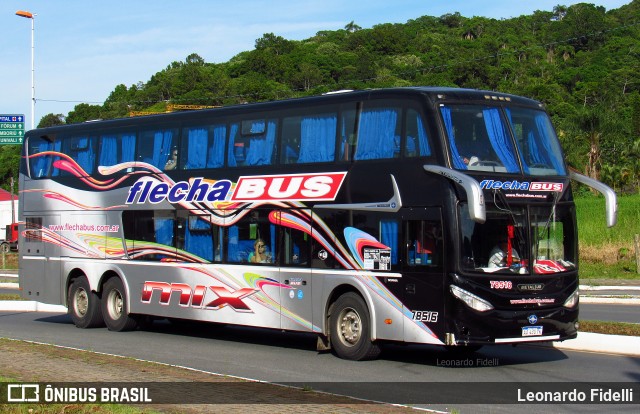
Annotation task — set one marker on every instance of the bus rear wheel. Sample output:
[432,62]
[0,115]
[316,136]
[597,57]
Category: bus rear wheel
[114,307]
[350,329]
[84,304]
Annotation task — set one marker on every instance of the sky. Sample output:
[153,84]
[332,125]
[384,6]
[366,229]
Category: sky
[84,49]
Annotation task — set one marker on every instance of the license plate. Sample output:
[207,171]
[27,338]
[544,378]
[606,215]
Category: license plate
[532,331]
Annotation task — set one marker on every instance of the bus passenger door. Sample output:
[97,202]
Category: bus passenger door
[295,272]
[422,281]
[40,278]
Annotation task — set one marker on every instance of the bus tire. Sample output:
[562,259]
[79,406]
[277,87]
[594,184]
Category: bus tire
[84,304]
[350,329]
[114,307]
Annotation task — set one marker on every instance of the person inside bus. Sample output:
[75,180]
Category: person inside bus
[259,254]
[471,161]
[172,162]
[499,256]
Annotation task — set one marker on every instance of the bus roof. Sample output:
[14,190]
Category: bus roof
[432,94]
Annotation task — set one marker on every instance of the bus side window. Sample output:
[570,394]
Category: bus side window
[389,237]
[245,237]
[155,147]
[204,146]
[40,165]
[82,149]
[424,243]
[116,149]
[318,137]
[149,235]
[347,134]
[33,226]
[290,147]
[252,142]
[378,134]
[417,142]
[196,235]
[296,245]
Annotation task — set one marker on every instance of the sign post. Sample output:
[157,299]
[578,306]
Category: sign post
[11,129]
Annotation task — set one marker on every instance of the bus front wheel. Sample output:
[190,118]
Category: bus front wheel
[114,306]
[350,329]
[84,304]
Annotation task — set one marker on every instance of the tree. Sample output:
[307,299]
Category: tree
[194,59]
[120,102]
[51,120]
[584,25]
[452,20]
[9,165]
[277,45]
[590,120]
[352,27]
[84,112]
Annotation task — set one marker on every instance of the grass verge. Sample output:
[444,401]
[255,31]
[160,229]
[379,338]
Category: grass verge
[610,328]
[70,409]
[607,253]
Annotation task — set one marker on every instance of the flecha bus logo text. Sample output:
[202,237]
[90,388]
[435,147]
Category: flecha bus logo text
[285,187]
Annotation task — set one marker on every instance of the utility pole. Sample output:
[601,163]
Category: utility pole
[13,214]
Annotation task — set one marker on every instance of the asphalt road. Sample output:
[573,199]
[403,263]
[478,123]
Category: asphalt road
[610,312]
[402,372]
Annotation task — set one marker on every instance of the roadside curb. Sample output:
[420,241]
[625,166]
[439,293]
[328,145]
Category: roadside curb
[601,343]
[610,300]
[30,306]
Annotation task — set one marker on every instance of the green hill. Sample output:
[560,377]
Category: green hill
[581,61]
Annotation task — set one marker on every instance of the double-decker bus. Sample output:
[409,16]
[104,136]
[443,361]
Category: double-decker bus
[422,215]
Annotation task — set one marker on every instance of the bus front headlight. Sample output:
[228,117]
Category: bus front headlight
[572,300]
[472,301]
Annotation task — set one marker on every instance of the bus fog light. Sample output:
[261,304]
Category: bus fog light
[572,300]
[472,301]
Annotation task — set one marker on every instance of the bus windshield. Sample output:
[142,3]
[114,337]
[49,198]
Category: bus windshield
[520,240]
[481,138]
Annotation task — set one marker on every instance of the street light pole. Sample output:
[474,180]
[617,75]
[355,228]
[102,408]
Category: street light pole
[31,16]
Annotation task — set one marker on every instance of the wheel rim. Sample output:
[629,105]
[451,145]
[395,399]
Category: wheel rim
[115,304]
[349,327]
[81,302]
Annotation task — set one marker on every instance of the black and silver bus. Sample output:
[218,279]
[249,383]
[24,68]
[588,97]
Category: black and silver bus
[423,215]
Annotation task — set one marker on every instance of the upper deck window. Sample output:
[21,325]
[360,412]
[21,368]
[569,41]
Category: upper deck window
[382,129]
[157,146]
[309,138]
[82,150]
[204,146]
[479,138]
[41,155]
[116,149]
[537,142]
[252,142]
[417,143]
[378,133]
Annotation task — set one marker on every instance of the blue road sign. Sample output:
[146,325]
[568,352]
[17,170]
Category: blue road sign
[11,129]
[12,118]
